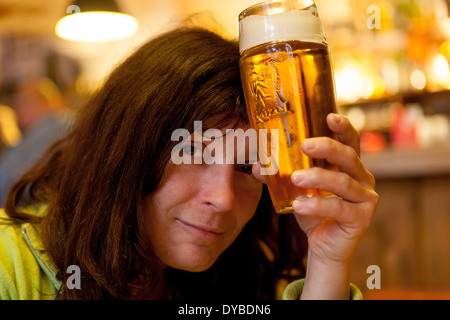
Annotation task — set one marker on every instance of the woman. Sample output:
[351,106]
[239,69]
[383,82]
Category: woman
[108,199]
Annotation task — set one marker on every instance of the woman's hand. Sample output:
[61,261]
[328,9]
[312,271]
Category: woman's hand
[334,225]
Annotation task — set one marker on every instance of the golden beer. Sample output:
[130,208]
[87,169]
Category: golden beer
[289,86]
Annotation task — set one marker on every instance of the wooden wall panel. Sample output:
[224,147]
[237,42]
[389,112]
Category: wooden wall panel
[435,229]
[391,241]
[409,238]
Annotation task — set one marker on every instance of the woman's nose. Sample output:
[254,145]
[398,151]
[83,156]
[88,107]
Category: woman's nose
[218,189]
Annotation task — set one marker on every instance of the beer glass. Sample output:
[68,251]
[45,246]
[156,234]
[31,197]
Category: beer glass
[288,84]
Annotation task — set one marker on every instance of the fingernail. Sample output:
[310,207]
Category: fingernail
[297,177]
[307,144]
[296,205]
[337,118]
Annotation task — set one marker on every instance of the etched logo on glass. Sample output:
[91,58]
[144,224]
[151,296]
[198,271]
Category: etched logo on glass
[264,82]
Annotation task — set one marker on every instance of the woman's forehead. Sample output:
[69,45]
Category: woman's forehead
[222,123]
[225,130]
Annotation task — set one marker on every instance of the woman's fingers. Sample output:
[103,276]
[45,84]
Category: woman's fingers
[354,205]
[346,132]
[353,215]
[344,157]
[339,183]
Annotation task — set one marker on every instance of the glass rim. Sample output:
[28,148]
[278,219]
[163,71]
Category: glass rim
[280,20]
[252,10]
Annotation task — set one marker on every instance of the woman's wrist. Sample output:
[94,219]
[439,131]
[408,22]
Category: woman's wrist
[326,280]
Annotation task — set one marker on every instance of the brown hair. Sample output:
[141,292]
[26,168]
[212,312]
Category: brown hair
[93,180]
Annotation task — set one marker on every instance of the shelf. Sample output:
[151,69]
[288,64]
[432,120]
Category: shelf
[430,97]
[408,163]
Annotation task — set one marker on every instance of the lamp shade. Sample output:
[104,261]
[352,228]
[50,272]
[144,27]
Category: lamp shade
[97,5]
[95,21]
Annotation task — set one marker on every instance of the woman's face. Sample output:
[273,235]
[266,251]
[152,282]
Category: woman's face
[198,210]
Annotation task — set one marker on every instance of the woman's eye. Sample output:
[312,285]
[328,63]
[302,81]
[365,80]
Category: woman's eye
[247,169]
[191,150]
[193,154]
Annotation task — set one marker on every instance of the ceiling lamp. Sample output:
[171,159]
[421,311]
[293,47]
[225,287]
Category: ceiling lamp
[95,21]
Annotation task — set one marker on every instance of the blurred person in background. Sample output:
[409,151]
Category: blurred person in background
[10,134]
[41,116]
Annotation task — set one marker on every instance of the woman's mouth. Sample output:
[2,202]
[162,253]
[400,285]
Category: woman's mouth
[200,230]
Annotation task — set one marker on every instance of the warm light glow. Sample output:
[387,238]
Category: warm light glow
[366,88]
[96,26]
[273,11]
[347,82]
[378,85]
[353,84]
[441,69]
[9,130]
[391,77]
[444,49]
[418,80]
[357,117]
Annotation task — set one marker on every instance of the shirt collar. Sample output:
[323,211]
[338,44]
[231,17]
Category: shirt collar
[32,237]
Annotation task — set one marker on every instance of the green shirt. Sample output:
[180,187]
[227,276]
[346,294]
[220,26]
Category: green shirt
[26,272]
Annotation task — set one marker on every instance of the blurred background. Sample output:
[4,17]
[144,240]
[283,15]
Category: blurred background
[391,64]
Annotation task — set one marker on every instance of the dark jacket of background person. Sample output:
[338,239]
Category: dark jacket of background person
[42,119]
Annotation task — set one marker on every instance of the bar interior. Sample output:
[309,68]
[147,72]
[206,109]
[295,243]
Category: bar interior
[391,62]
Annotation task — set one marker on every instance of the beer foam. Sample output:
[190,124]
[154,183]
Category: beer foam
[303,25]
